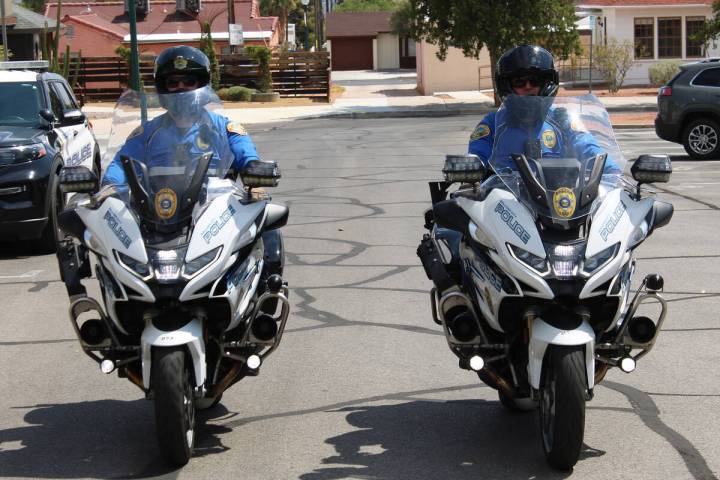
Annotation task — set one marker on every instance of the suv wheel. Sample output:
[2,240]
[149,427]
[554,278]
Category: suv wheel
[51,234]
[701,139]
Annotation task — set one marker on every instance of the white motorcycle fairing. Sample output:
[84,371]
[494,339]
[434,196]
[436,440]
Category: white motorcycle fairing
[543,334]
[190,334]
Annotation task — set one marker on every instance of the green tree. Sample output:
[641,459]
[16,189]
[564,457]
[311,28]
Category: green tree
[710,29]
[37,6]
[367,6]
[281,9]
[497,25]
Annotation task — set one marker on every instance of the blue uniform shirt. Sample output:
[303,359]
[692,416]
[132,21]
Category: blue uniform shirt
[555,139]
[160,138]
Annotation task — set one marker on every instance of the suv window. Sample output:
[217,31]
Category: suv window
[55,103]
[708,78]
[66,97]
[25,105]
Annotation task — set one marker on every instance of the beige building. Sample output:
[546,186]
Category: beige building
[456,73]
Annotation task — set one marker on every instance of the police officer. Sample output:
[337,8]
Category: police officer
[183,72]
[529,70]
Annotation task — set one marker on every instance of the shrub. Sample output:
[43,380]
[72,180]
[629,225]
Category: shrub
[661,73]
[235,94]
[613,62]
[262,55]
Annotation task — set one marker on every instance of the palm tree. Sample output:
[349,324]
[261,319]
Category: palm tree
[280,8]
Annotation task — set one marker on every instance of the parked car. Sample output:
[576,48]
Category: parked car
[689,109]
[41,129]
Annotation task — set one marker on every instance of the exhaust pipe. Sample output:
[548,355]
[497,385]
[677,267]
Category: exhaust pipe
[93,332]
[264,328]
[461,323]
[641,329]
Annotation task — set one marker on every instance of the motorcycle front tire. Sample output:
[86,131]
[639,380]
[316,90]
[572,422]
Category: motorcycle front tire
[562,405]
[174,404]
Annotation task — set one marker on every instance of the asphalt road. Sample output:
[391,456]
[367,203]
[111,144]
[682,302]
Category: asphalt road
[363,385]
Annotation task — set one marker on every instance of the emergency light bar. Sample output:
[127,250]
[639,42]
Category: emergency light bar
[25,65]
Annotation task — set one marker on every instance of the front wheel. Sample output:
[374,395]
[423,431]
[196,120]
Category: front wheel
[562,405]
[174,404]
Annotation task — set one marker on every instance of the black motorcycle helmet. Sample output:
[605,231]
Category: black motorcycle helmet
[181,60]
[526,60]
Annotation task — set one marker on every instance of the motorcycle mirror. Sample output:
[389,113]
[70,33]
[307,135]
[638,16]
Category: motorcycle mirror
[464,168]
[78,179]
[652,169]
[258,173]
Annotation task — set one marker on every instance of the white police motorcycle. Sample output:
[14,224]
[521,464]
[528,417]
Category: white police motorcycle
[189,262]
[532,267]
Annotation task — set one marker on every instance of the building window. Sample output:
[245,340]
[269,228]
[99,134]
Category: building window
[693,47]
[645,38]
[669,38]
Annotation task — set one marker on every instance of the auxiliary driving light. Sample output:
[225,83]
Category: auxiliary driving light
[253,362]
[107,366]
[627,364]
[477,363]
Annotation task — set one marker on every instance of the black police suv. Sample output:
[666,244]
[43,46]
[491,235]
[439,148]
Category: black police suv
[41,129]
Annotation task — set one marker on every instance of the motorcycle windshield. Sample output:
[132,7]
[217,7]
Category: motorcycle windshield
[549,151]
[173,142]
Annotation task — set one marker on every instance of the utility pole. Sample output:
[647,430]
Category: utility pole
[231,20]
[318,25]
[4,31]
[134,60]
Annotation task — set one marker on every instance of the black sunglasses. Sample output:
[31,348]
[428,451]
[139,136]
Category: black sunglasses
[519,82]
[185,80]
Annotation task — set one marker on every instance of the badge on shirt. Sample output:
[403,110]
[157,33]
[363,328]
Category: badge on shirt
[236,128]
[548,138]
[165,203]
[481,131]
[201,144]
[564,202]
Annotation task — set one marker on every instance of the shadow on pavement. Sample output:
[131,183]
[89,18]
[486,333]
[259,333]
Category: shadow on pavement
[427,440]
[99,439]
[21,249]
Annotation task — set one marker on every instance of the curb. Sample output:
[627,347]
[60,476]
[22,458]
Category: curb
[409,112]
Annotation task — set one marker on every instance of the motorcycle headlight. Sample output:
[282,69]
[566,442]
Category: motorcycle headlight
[194,266]
[539,264]
[167,264]
[597,261]
[137,267]
[565,259]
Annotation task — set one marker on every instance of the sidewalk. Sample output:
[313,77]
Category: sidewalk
[393,95]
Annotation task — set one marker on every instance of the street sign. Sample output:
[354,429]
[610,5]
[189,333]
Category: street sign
[291,33]
[236,34]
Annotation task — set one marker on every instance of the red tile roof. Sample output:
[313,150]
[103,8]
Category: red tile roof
[640,3]
[162,18]
[361,24]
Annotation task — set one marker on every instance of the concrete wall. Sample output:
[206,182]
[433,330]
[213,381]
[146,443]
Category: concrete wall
[620,24]
[456,73]
[388,51]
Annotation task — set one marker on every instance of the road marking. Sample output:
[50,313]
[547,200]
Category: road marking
[30,274]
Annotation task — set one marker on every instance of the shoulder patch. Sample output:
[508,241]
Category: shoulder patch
[136,133]
[236,128]
[481,131]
